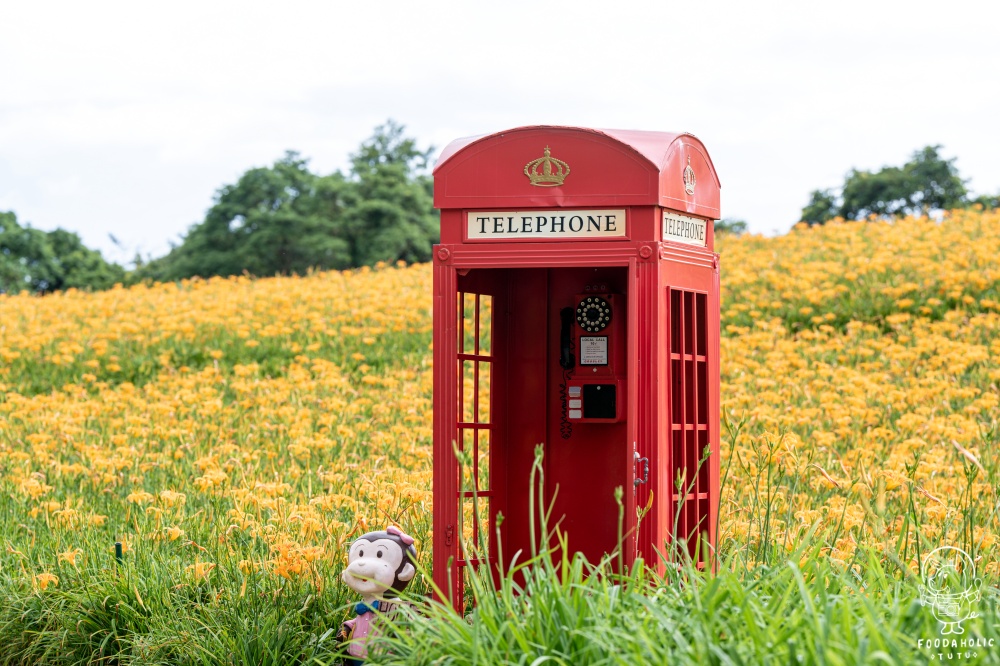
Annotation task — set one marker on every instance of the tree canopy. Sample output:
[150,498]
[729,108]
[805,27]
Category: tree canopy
[730,225]
[39,261]
[926,183]
[286,219]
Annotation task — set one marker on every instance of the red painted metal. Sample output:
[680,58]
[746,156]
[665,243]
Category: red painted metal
[666,297]
[608,168]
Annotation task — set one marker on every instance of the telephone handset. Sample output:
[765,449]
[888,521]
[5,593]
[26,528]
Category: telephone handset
[593,387]
[566,359]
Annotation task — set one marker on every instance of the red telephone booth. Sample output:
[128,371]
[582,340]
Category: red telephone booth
[576,305]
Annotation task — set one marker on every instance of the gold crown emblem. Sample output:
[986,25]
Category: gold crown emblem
[688,178]
[546,171]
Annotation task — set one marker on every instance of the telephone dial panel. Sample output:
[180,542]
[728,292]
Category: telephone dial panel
[593,359]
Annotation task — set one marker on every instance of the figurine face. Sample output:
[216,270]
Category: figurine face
[375,565]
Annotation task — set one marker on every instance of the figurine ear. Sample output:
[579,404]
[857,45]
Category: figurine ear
[407,573]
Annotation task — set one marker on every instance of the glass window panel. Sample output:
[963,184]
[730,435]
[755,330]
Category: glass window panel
[468,414]
[675,321]
[702,329]
[690,399]
[485,371]
[688,328]
[468,599]
[676,458]
[475,528]
[676,392]
[704,461]
[468,306]
[485,323]
[483,460]
[468,444]
[692,456]
[702,392]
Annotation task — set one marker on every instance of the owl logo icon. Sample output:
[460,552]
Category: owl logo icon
[950,588]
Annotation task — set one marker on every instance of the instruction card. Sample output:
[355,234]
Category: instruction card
[594,350]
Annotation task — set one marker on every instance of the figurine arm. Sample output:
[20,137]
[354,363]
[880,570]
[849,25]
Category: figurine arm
[346,629]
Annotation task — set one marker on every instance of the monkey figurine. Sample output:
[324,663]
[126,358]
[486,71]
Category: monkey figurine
[379,567]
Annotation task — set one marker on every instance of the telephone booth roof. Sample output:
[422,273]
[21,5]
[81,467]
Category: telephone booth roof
[602,167]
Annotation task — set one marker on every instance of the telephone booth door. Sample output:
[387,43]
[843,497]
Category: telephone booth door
[514,389]
[473,494]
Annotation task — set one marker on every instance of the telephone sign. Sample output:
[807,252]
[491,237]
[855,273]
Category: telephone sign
[576,304]
[684,229]
[546,224]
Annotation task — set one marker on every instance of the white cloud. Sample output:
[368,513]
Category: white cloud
[124,118]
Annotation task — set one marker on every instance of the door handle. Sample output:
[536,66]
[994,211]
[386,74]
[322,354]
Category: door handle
[645,470]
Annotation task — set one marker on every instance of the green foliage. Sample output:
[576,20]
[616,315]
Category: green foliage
[267,223]
[152,610]
[730,226]
[575,613]
[928,182]
[987,201]
[392,217]
[34,260]
[822,206]
[285,219]
[552,608]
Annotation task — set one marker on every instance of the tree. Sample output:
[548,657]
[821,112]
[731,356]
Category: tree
[80,267]
[822,206]
[926,183]
[284,218]
[25,257]
[939,186]
[267,223]
[987,201]
[393,216]
[31,259]
[730,226]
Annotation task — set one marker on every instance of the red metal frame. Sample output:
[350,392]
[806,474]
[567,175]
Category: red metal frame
[671,295]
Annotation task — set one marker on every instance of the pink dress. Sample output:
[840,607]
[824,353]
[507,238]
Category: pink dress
[360,627]
[365,626]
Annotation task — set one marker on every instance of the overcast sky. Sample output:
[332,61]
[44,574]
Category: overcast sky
[124,118]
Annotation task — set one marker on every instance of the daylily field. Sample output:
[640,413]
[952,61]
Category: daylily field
[233,434]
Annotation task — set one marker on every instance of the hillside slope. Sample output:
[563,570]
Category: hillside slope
[236,433]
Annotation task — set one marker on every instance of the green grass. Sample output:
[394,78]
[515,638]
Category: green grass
[557,609]
[777,597]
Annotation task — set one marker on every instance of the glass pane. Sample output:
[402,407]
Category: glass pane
[702,392]
[704,460]
[468,601]
[485,323]
[485,370]
[690,400]
[676,459]
[468,317]
[483,460]
[692,456]
[675,321]
[467,463]
[475,528]
[676,392]
[702,329]
[468,413]
[688,327]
